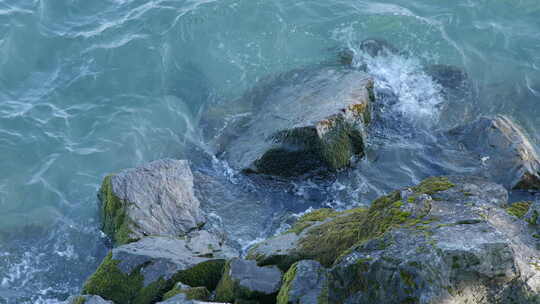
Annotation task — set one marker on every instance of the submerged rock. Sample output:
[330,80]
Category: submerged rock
[154,199]
[446,240]
[87,299]
[503,149]
[244,280]
[378,47]
[448,76]
[143,271]
[316,119]
[306,282]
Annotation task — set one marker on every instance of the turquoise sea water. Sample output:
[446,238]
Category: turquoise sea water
[91,87]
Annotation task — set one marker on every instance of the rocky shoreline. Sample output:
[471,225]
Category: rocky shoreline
[449,239]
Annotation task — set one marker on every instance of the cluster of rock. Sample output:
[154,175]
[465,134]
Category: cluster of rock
[453,239]
[446,240]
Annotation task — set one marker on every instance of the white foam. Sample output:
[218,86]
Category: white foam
[419,97]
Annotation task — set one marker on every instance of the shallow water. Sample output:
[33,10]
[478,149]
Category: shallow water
[91,87]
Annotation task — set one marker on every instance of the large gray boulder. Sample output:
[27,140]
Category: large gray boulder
[154,199]
[143,271]
[465,249]
[87,299]
[316,118]
[244,280]
[306,282]
[503,149]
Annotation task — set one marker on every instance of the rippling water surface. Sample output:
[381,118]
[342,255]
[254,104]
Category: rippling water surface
[91,87]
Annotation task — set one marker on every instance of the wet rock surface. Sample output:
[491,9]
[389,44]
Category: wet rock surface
[317,120]
[154,199]
[504,151]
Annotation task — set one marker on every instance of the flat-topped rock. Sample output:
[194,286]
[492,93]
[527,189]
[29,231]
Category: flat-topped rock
[503,149]
[143,271]
[316,119]
[154,199]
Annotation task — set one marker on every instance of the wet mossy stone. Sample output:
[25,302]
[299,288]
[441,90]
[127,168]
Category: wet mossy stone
[163,186]
[192,293]
[316,121]
[506,153]
[532,215]
[141,272]
[466,248]
[519,209]
[325,235]
[244,280]
[87,299]
[180,298]
[306,282]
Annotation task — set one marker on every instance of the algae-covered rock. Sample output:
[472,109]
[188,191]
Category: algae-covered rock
[306,282]
[87,299]
[143,271]
[192,293]
[317,118]
[532,215]
[503,149]
[154,199]
[244,280]
[326,235]
[465,249]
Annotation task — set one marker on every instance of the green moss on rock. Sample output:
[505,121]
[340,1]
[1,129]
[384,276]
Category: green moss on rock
[207,274]
[78,300]
[283,295]
[115,223]
[192,293]
[330,240]
[309,219]
[111,283]
[225,288]
[519,209]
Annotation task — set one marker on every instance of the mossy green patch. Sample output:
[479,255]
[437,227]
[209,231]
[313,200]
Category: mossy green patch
[115,223]
[309,219]
[225,287]
[111,283]
[283,295]
[192,293]
[79,300]
[433,185]
[207,274]
[519,209]
[330,240]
